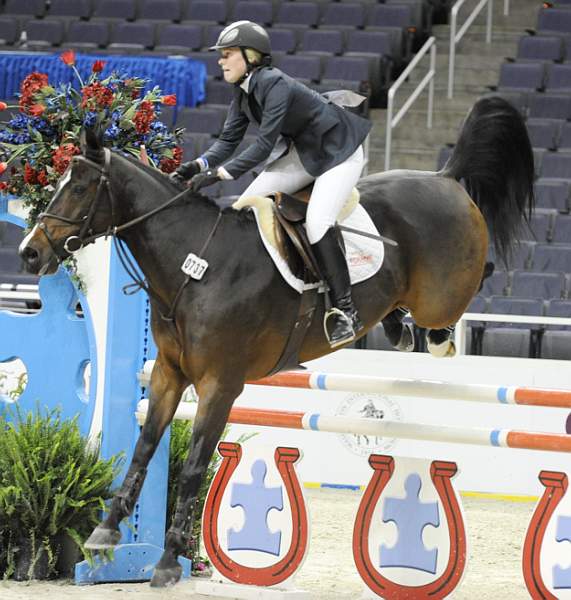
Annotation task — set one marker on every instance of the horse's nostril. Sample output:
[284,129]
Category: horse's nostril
[29,254]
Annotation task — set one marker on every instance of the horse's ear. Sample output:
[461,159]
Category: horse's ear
[91,142]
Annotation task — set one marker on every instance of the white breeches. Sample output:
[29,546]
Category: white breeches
[330,190]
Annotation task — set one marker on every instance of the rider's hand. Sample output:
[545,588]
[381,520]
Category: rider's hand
[203,179]
[185,172]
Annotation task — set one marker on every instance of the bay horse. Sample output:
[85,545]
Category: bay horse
[231,326]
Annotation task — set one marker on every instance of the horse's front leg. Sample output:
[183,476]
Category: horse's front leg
[215,401]
[167,385]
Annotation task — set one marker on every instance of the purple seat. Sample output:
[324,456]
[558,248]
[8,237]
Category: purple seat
[556,345]
[526,284]
[554,20]
[210,60]
[321,41]
[88,34]
[115,10]
[259,11]
[177,38]
[552,258]
[79,9]
[343,16]
[553,193]
[479,304]
[495,285]
[540,228]
[369,42]
[161,10]
[346,68]
[9,31]
[502,305]
[558,78]
[544,133]
[562,231]
[564,141]
[306,68]
[390,15]
[549,105]
[211,33]
[298,14]
[556,165]
[540,48]
[218,92]
[206,11]
[507,341]
[201,120]
[559,308]
[283,40]
[30,8]
[44,33]
[132,37]
[521,76]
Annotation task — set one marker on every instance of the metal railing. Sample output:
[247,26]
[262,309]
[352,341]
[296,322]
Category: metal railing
[428,79]
[506,7]
[456,36]
[460,330]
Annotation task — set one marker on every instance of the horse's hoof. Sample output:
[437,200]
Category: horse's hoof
[102,538]
[406,342]
[166,577]
[446,349]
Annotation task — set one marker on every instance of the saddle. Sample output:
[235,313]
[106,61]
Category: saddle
[284,218]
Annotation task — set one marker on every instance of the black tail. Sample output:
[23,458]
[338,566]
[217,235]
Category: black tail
[493,156]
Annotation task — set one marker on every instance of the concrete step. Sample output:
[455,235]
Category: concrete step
[412,158]
[412,128]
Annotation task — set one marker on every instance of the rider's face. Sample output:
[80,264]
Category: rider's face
[233,64]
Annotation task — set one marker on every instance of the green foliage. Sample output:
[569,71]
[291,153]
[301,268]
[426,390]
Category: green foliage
[53,487]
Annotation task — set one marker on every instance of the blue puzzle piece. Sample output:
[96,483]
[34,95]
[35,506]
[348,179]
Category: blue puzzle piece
[410,516]
[561,576]
[257,500]
[55,347]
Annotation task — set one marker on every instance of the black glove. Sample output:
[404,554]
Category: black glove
[185,172]
[203,179]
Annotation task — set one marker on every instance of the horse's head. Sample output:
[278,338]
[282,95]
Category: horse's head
[79,209]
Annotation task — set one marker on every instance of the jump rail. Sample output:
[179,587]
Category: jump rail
[501,438]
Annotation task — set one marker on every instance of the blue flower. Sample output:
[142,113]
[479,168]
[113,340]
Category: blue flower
[112,132]
[90,118]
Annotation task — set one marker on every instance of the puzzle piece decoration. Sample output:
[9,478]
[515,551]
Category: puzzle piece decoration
[562,576]
[256,500]
[54,346]
[410,516]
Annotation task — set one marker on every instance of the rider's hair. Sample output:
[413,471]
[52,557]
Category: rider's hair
[254,57]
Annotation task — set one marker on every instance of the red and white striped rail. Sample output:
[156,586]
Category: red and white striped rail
[503,438]
[439,390]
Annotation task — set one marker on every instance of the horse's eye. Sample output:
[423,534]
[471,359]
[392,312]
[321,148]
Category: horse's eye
[78,189]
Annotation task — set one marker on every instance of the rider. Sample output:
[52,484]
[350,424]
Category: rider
[321,142]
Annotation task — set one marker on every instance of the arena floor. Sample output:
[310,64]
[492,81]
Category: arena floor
[496,529]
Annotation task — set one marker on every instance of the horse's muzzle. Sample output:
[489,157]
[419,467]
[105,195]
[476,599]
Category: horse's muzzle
[37,261]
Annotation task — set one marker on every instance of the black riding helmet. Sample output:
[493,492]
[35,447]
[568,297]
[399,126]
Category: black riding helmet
[245,34]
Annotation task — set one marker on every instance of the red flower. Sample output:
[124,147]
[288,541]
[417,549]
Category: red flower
[63,155]
[168,165]
[3,166]
[43,178]
[30,174]
[144,117]
[36,110]
[3,106]
[32,84]
[3,186]
[96,96]
[98,66]
[68,57]
[169,100]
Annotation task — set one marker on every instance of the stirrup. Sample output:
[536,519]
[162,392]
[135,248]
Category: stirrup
[349,336]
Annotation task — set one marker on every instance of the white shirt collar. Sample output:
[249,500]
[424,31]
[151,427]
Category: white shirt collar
[245,85]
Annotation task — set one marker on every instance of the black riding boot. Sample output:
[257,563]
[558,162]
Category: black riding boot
[341,325]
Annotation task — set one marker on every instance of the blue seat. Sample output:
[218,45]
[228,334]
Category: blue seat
[562,231]
[161,10]
[305,68]
[556,165]
[25,8]
[527,284]
[201,120]
[9,32]
[44,33]
[564,140]
[10,235]
[343,16]
[346,69]
[320,41]
[549,105]
[502,305]
[496,284]
[375,43]
[87,35]
[558,78]
[559,308]
[297,14]
[554,20]
[77,9]
[526,76]
[206,11]
[507,341]
[556,345]
[259,11]
[539,230]
[283,40]
[218,92]
[115,10]
[210,60]
[179,38]
[553,193]
[541,48]
[132,37]
[544,133]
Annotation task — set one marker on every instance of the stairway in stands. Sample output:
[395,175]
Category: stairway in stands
[477,66]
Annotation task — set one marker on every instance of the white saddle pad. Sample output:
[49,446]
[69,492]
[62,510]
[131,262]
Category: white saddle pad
[364,255]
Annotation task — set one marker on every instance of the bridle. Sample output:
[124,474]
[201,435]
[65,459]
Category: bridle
[87,236]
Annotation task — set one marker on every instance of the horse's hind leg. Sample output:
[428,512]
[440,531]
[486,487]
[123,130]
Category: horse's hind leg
[439,343]
[167,385]
[215,402]
[399,334]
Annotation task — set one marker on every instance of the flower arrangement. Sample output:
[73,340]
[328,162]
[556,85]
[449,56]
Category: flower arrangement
[38,143]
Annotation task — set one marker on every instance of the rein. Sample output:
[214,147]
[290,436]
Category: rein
[86,236]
